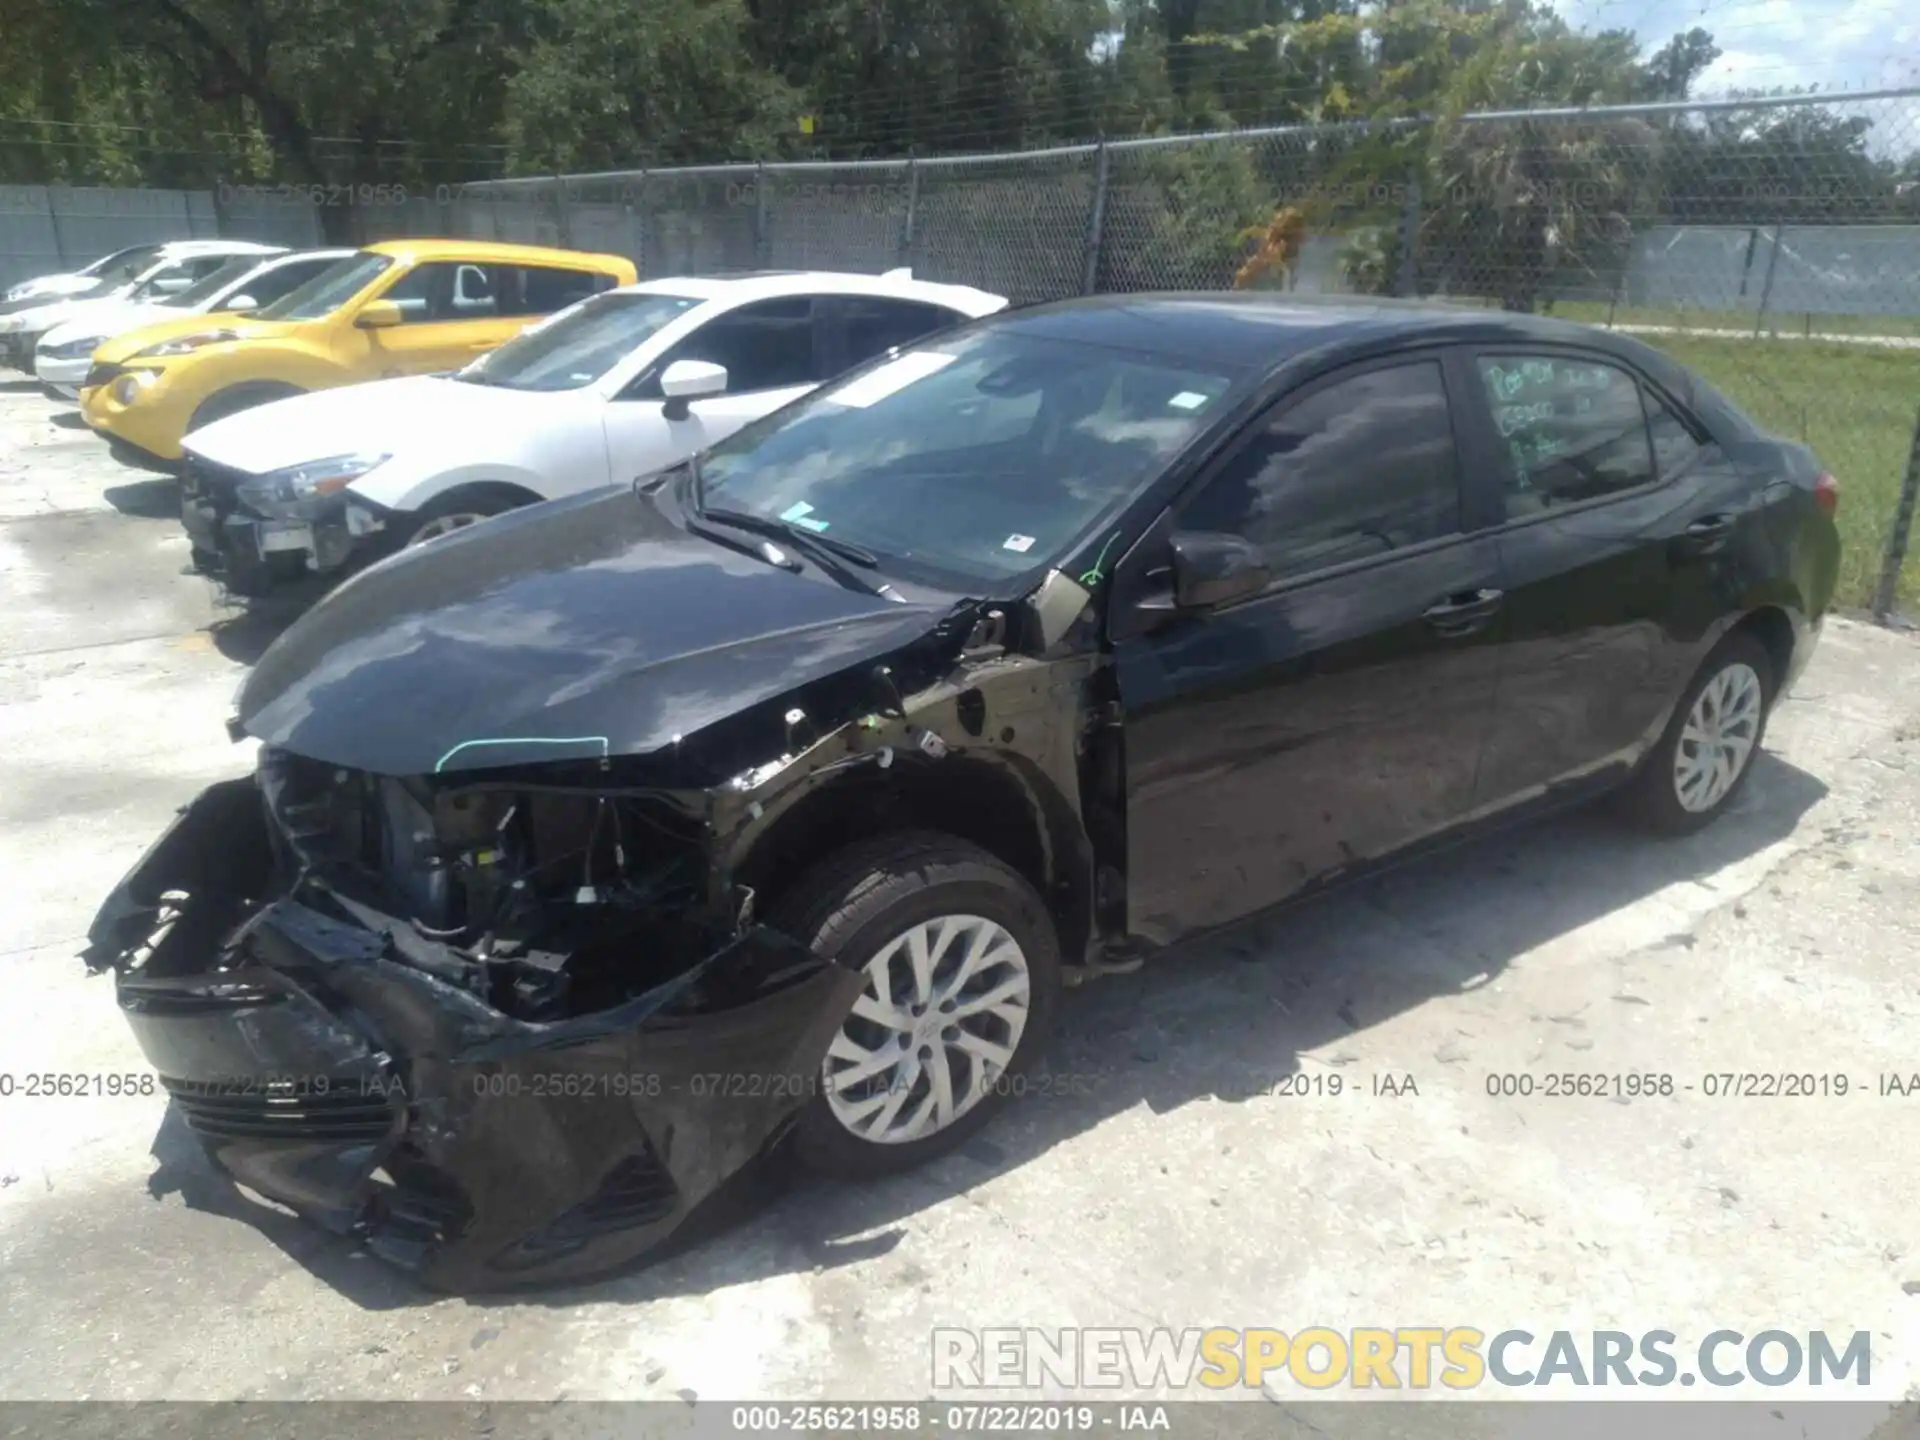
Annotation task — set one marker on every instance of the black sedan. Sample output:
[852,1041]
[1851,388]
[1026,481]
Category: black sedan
[599,850]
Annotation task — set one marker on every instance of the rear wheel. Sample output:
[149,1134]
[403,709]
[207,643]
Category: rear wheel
[1708,749]
[961,969]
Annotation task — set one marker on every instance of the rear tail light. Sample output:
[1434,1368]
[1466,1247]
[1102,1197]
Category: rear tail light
[1826,493]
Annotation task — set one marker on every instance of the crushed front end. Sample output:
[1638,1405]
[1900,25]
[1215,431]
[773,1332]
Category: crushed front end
[505,1031]
[252,542]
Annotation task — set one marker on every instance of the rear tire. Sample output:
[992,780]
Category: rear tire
[930,1049]
[1707,751]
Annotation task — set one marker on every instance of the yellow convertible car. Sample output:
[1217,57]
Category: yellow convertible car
[400,307]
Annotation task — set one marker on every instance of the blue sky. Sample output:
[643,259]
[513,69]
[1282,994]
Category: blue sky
[1775,44]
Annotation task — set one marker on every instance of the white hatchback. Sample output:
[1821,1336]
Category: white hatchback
[617,386]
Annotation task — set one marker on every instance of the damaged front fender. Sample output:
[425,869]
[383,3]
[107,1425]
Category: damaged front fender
[325,1067]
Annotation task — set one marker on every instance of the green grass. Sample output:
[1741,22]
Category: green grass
[1590,312]
[1855,405]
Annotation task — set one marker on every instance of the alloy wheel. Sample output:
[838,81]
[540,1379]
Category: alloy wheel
[1717,741]
[444,525]
[937,1025]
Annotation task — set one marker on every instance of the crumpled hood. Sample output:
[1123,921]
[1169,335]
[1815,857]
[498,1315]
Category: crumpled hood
[581,627]
[381,417]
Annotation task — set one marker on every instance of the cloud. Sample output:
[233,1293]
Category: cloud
[1776,44]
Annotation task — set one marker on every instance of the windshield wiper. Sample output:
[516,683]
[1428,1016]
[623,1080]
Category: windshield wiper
[799,534]
[832,556]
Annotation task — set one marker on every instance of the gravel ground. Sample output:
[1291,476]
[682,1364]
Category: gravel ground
[1163,1181]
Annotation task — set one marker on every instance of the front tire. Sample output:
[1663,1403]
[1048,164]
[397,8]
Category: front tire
[1709,746]
[459,509]
[962,970]
[236,398]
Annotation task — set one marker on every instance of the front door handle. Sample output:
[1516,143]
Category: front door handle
[1464,613]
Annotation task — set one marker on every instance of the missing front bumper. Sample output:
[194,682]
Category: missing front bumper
[380,1101]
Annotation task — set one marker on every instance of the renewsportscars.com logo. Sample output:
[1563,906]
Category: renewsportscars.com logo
[1389,1358]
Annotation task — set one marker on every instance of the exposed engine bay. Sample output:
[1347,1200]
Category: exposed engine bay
[511,1023]
[532,899]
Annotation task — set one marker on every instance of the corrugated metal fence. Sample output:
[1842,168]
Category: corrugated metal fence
[49,228]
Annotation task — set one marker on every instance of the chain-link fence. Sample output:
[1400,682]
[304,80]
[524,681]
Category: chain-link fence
[1774,244]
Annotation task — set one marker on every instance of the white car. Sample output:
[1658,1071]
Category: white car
[616,386]
[174,267]
[103,274]
[245,282]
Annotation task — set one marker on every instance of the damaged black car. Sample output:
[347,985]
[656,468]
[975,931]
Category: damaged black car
[599,852]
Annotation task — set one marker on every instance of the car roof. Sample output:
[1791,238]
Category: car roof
[330,252]
[180,249]
[745,285]
[501,252]
[1259,329]
[1256,332]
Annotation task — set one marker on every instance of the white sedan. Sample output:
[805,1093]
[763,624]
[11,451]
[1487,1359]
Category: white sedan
[171,269]
[246,282]
[617,386]
[102,275]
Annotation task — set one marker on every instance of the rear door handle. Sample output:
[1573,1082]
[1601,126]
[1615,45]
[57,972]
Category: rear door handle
[1464,613]
[1706,535]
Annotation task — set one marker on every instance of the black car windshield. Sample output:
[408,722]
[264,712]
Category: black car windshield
[327,291]
[580,344]
[204,289]
[969,459]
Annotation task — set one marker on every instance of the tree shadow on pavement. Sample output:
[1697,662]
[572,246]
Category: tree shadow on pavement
[1224,1019]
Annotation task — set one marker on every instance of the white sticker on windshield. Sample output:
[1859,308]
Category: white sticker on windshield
[895,375]
[1022,543]
[794,512]
[1188,400]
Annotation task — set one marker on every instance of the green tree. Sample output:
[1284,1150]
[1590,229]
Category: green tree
[595,90]
[887,77]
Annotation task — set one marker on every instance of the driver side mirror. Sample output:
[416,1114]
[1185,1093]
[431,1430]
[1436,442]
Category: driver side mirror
[241,303]
[687,380]
[379,315]
[1211,568]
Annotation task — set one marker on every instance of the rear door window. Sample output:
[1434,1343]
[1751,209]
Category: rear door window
[543,289]
[871,325]
[1571,428]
